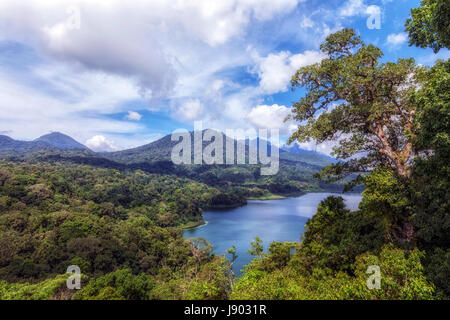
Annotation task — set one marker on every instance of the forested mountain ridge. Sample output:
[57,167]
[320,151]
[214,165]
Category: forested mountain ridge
[161,149]
[307,156]
[52,143]
[61,141]
[294,176]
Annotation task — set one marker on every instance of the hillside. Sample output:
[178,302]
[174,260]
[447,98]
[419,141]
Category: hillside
[47,144]
[294,152]
[9,146]
[161,150]
[295,173]
[61,141]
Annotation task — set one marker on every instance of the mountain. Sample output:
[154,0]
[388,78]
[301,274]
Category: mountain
[162,148]
[51,144]
[11,146]
[295,174]
[60,141]
[156,157]
[294,152]
[154,151]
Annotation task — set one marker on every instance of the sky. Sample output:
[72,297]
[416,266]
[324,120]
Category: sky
[120,74]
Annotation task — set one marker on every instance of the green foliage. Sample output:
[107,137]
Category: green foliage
[118,285]
[437,269]
[431,184]
[388,198]
[334,236]
[429,25]
[257,248]
[396,116]
[402,277]
[232,251]
[120,228]
[351,95]
[47,289]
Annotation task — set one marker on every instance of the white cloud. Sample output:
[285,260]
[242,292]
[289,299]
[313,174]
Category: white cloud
[126,51]
[27,113]
[271,117]
[358,8]
[353,8]
[306,23]
[396,39]
[189,110]
[100,144]
[276,70]
[180,52]
[138,39]
[324,147]
[133,115]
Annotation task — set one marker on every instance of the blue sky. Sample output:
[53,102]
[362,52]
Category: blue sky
[119,74]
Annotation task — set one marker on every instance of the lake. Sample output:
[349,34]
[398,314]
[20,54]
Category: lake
[271,220]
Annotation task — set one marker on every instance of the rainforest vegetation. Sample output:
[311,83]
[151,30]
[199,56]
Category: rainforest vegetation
[122,225]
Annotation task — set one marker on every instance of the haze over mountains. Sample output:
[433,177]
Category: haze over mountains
[53,141]
[155,151]
[295,174]
[61,141]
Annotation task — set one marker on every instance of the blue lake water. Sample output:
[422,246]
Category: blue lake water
[271,220]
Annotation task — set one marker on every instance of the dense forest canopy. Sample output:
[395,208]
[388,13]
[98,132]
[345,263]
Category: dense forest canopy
[122,225]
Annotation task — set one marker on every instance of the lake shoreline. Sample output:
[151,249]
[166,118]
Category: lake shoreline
[279,220]
[192,225]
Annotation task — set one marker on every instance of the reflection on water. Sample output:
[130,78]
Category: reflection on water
[271,220]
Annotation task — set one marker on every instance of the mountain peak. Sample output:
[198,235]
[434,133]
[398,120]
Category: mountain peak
[61,141]
[5,138]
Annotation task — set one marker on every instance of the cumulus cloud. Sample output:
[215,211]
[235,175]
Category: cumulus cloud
[90,58]
[189,110]
[306,23]
[190,56]
[132,39]
[276,70]
[324,147]
[271,117]
[352,8]
[28,112]
[133,115]
[396,39]
[100,143]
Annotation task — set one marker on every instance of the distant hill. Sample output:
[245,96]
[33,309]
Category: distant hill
[295,152]
[162,148]
[154,151]
[11,146]
[61,141]
[295,173]
[53,143]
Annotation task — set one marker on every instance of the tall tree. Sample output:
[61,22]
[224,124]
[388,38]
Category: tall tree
[429,25]
[363,104]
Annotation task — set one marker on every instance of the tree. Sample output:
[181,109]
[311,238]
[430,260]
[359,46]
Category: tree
[230,274]
[431,184]
[364,104]
[256,247]
[429,25]
[234,256]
